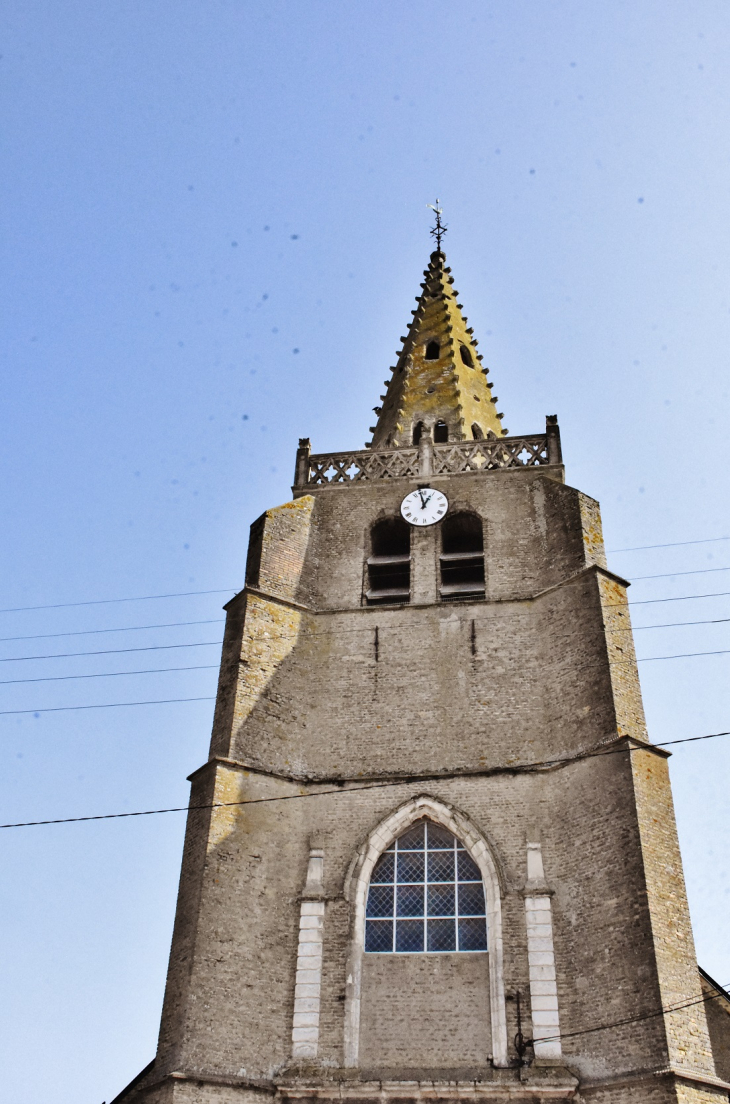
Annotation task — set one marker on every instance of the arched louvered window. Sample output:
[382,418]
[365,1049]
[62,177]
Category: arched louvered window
[417,432]
[389,562]
[440,433]
[462,557]
[426,895]
[433,350]
[466,356]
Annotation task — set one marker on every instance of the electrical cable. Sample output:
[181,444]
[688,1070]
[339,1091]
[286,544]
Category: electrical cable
[126,628]
[686,1003]
[118,651]
[673,544]
[113,601]
[105,705]
[110,674]
[234,590]
[214,666]
[682,655]
[220,621]
[671,574]
[679,598]
[112,651]
[443,776]
[673,625]
[341,632]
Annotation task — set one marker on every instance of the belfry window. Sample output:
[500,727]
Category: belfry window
[426,894]
[433,350]
[476,432]
[466,356]
[417,432]
[440,433]
[462,557]
[389,563]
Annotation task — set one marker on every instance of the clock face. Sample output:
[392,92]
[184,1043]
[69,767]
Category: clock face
[424,506]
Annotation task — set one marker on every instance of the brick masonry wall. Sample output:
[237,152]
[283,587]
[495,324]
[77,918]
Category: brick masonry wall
[717,1010]
[687,1033]
[429,1010]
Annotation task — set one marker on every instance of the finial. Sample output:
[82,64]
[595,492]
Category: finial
[439,229]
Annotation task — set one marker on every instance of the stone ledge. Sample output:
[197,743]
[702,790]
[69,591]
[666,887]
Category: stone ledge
[630,1077]
[549,1080]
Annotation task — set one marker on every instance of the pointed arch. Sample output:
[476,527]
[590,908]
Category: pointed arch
[356,887]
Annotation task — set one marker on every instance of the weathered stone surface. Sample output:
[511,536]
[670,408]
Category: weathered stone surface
[331,716]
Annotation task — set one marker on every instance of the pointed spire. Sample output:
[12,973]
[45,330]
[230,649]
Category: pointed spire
[438,386]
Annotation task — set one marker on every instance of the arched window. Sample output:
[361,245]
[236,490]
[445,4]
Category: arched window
[466,356]
[417,432]
[462,557]
[433,349]
[476,432]
[440,433]
[426,895]
[389,563]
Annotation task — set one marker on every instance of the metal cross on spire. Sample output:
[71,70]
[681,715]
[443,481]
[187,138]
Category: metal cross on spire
[439,229]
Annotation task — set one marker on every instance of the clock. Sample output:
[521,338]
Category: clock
[424,506]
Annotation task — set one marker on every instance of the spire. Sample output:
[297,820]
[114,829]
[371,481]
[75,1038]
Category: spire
[438,385]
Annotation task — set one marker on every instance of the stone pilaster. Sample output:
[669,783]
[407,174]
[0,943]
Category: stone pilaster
[305,1023]
[541,958]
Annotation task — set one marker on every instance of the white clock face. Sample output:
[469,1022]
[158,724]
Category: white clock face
[424,506]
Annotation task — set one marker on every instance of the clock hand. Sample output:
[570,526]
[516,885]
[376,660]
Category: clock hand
[423,504]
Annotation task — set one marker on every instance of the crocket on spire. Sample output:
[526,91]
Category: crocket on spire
[438,385]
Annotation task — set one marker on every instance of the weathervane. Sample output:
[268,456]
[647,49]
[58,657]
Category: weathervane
[439,229]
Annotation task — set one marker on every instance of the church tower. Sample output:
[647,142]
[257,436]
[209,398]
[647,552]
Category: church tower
[432,855]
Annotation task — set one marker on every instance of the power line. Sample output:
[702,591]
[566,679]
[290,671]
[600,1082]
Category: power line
[682,655]
[512,768]
[328,632]
[126,628]
[112,601]
[234,590]
[163,647]
[673,544]
[680,598]
[105,705]
[673,625]
[671,574]
[110,674]
[212,666]
[664,1011]
[112,651]
[219,620]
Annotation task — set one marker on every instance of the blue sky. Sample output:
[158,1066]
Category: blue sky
[214,227]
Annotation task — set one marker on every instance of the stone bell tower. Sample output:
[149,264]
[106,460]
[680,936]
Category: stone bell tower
[432,854]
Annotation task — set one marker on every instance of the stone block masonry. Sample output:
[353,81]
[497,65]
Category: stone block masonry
[535,945]
[333,717]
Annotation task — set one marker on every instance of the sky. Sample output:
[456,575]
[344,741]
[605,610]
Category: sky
[214,224]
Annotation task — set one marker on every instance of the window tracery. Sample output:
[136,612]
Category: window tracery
[426,895]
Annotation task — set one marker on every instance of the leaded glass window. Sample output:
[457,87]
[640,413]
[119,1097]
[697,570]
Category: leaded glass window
[426,894]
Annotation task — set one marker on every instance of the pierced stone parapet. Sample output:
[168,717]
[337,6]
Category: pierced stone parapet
[490,454]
